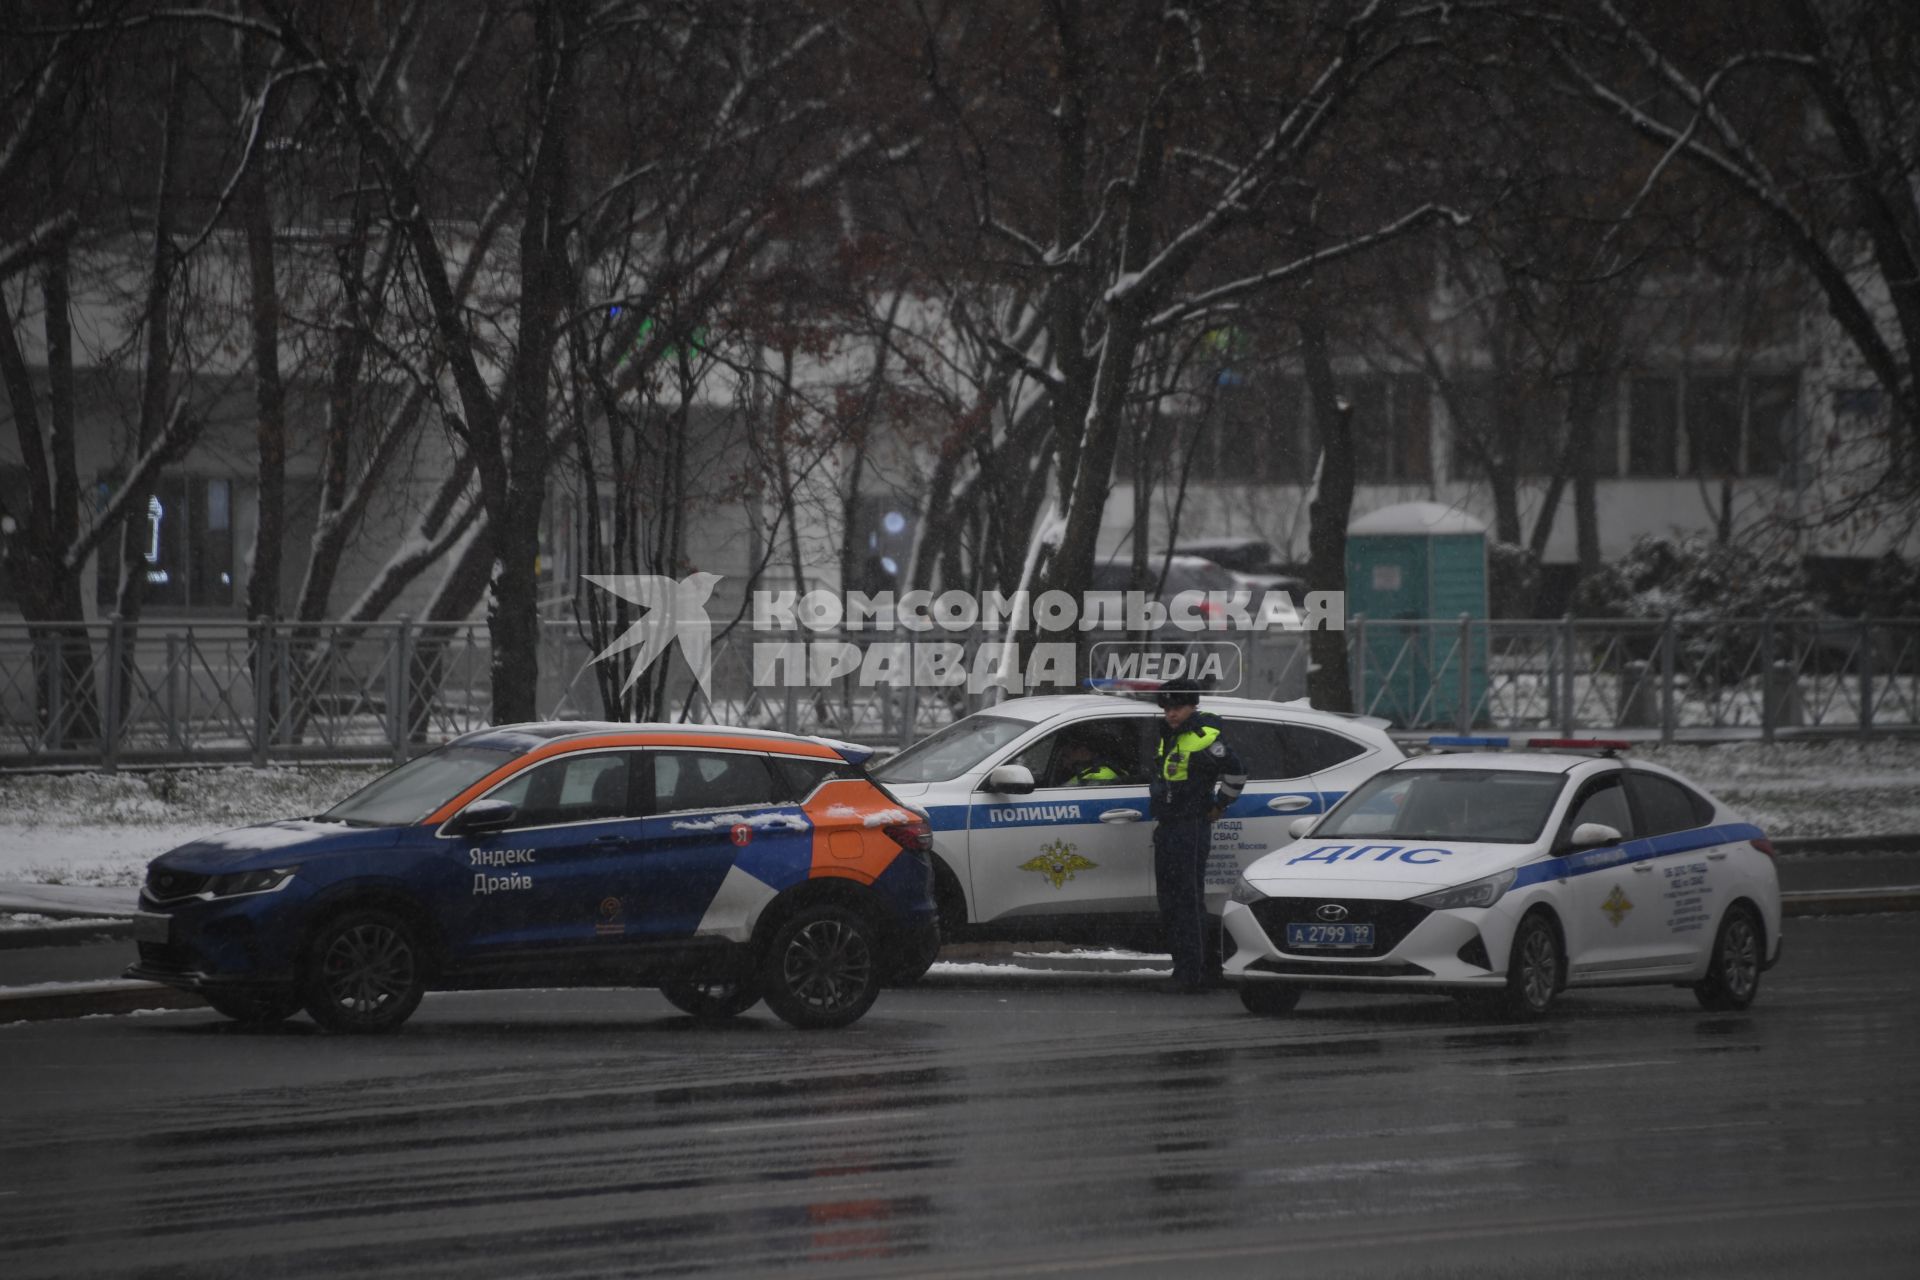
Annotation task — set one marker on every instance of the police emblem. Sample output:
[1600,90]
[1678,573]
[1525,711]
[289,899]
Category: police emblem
[610,925]
[1058,863]
[1616,906]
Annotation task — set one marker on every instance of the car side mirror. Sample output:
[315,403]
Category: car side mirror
[1010,780]
[1300,826]
[482,816]
[1588,835]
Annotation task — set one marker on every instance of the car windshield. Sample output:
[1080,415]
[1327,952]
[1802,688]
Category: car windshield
[417,787]
[952,751]
[1491,806]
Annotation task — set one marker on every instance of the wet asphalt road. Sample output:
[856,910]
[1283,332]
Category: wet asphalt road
[1099,1128]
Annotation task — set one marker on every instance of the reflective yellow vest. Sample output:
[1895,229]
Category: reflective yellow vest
[1173,764]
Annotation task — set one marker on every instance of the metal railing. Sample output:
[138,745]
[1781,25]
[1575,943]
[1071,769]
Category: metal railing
[166,690]
[1667,678]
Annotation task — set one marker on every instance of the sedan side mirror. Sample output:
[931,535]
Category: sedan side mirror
[1300,826]
[482,816]
[1589,835]
[1010,780]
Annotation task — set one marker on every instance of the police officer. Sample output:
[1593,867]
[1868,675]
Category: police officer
[1086,768]
[1196,776]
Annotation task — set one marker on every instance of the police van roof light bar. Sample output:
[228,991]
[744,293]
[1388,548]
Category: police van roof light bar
[1608,745]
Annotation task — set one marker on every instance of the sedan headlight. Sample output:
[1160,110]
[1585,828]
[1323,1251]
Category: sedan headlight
[1481,893]
[1244,893]
[239,882]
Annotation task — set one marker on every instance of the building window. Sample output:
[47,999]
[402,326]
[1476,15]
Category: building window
[1731,425]
[1531,442]
[1654,434]
[185,533]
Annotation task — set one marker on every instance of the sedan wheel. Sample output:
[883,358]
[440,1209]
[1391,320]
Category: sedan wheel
[1533,969]
[365,973]
[820,969]
[1733,973]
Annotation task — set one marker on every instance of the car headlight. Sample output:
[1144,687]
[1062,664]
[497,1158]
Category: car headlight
[239,882]
[1481,893]
[1244,893]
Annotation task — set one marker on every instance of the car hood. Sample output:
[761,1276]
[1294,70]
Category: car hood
[1379,868]
[273,844]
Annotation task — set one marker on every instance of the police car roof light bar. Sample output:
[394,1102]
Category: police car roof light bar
[1122,684]
[1470,744]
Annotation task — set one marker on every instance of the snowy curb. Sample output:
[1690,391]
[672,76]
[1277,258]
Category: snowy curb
[87,999]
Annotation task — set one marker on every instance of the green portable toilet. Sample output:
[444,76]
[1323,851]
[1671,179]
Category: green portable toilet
[1412,571]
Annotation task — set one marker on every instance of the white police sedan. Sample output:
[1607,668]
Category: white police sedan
[1039,806]
[1507,877]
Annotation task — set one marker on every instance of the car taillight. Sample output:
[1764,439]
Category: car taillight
[914,837]
[1764,845]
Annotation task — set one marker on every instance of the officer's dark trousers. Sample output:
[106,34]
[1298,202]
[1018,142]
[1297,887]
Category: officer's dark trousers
[1179,879]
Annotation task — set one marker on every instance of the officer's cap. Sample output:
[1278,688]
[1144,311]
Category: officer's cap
[1179,693]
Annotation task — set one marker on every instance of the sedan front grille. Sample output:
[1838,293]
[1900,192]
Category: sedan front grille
[1391,921]
[164,884]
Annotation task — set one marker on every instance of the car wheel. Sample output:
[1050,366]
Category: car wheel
[259,1010]
[710,1000]
[1533,969]
[820,969]
[1269,997]
[365,972]
[1733,972]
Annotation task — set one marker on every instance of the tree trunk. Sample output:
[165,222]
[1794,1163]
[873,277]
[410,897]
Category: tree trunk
[1328,685]
[263,571]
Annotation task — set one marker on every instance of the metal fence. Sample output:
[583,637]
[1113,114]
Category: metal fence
[166,690]
[1669,678]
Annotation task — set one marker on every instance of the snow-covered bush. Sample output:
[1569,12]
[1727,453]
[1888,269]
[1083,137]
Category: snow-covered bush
[1699,579]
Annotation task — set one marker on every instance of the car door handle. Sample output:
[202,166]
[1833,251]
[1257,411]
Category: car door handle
[1716,857]
[614,839]
[1641,868]
[1121,815]
[1289,804]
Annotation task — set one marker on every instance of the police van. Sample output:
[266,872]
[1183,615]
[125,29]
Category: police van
[1039,811]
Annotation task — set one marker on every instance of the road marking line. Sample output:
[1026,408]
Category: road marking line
[1585,1066]
[850,1118]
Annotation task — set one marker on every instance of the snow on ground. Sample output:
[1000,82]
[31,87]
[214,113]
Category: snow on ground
[101,829]
[1828,787]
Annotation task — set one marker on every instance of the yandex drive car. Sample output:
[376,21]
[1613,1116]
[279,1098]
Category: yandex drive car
[1504,877]
[1040,817]
[721,865]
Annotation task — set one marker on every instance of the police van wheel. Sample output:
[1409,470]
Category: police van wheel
[1733,972]
[256,1010]
[822,968]
[1533,970]
[710,1000]
[365,973]
[1269,997]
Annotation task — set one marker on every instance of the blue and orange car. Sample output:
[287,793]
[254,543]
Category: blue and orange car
[723,866]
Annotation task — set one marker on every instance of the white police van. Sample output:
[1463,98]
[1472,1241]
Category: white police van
[1040,817]
[1504,878]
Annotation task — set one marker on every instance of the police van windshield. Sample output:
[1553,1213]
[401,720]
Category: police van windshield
[417,787]
[952,751]
[1490,806]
